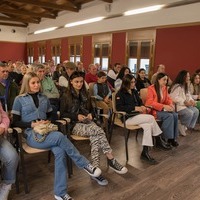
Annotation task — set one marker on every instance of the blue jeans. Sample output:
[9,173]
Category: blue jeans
[60,146]
[189,116]
[169,124]
[9,159]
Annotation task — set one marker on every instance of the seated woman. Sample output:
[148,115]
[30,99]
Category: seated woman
[32,108]
[194,86]
[8,157]
[180,94]
[163,108]
[75,105]
[128,100]
[142,81]
[123,71]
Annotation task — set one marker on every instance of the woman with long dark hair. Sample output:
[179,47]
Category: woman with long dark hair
[180,94]
[142,81]
[163,108]
[75,104]
[128,100]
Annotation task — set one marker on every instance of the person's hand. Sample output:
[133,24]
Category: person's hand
[106,100]
[2,130]
[81,117]
[89,116]
[139,109]
[168,108]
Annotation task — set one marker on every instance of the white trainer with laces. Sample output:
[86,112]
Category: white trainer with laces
[92,171]
[65,197]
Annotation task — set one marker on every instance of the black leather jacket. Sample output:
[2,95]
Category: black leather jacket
[72,104]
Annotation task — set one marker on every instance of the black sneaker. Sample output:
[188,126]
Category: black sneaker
[66,197]
[118,168]
[100,180]
[92,171]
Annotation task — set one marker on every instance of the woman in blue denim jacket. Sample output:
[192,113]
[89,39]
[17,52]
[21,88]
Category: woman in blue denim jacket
[32,108]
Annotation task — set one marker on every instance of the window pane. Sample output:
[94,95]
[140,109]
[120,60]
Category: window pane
[97,60]
[71,58]
[133,49]
[97,50]
[43,59]
[145,49]
[144,63]
[78,58]
[105,50]
[132,64]
[78,49]
[105,64]
[71,50]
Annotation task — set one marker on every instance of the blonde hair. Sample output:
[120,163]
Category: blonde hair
[25,82]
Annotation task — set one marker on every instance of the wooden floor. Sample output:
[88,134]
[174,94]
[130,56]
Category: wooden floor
[177,176]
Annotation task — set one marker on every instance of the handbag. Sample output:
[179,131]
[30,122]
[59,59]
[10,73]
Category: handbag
[44,130]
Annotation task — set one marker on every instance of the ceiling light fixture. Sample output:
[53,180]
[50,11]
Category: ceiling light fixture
[143,10]
[87,21]
[45,30]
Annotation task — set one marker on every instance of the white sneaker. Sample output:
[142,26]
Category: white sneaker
[4,191]
[66,197]
[92,171]
[182,129]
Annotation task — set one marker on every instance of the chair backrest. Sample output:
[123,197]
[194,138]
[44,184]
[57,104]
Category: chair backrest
[91,89]
[143,94]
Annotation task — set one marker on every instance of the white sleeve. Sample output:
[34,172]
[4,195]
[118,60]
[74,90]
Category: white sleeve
[63,81]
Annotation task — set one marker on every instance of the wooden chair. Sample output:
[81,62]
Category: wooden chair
[121,123]
[23,148]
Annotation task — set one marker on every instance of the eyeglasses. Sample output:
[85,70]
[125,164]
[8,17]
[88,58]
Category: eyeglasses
[4,71]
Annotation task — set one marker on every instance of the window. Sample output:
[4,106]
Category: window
[101,55]
[30,54]
[41,52]
[139,55]
[56,51]
[75,52]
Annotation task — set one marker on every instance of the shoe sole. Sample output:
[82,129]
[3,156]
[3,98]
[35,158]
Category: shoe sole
[99,182]
[148,161]
[119,172]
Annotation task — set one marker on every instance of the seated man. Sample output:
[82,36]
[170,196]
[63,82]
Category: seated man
[8,88]
[49,89]
[8,157]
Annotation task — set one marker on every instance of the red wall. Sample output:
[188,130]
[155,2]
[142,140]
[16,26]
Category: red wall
[87,51]
[48,50]
[178,48]
[13,51]
[64,50]
[118,48]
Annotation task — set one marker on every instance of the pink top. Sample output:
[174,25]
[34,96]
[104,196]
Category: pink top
[4,119]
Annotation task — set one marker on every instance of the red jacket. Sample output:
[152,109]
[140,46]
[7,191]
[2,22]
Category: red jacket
[152,99]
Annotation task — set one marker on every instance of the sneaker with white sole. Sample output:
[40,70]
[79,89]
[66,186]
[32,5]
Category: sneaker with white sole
[117,167]
[4,191]
[100,180]
[92,171]
[65,197]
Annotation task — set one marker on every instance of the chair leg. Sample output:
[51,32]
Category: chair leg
[17,180]
[69,166]
[49,157]
[136,136]
[26,189]
[126,137]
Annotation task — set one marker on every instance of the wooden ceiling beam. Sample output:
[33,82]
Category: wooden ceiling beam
[13,24]
[108,1]
[28,13]
[54,6]
[15,19]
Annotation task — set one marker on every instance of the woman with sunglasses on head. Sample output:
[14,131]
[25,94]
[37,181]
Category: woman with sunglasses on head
[30,109]
[128,100]
[163,108]
[75,104]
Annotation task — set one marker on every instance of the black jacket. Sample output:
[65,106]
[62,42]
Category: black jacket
[142,83]
[72,104]
[126,102]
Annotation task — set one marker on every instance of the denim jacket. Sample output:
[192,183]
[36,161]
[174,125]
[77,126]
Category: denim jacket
[25,107]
